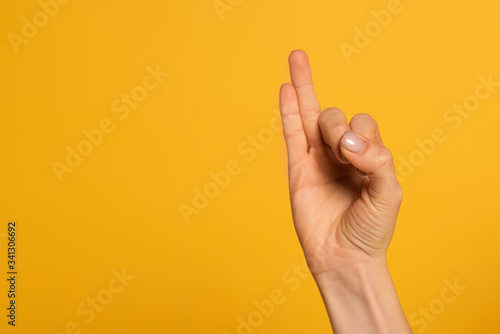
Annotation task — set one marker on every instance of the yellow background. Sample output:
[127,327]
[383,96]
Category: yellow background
[120,207]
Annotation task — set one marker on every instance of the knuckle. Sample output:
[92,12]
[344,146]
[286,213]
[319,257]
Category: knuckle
[362,115]
[331,124]
[384,158]
[293,133]
[328,112]
[309,113]
[322,117]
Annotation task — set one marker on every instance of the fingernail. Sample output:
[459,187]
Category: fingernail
[343,158]
[283,83]
[350,141]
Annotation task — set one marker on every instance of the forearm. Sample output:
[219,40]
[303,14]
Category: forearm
[362,299]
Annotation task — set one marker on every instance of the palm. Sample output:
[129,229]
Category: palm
[324,195]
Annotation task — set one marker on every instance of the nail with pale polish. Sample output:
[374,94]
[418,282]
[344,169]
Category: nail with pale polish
[352,142]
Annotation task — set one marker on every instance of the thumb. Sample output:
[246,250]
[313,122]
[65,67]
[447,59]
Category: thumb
[377,162]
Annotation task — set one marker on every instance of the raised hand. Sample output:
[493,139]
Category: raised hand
[344,193]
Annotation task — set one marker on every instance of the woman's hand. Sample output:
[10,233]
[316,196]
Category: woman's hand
[340,213]
[345,200]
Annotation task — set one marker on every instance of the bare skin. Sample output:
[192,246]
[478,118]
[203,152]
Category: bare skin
[345,200]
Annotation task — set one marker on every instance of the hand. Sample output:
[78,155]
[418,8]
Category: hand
[345,201]
[344,211]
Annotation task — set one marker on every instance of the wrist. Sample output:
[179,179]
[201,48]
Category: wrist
[361,298]
[352,274]
[337,261]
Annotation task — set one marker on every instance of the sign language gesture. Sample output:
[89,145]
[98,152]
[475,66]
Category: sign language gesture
[345,200]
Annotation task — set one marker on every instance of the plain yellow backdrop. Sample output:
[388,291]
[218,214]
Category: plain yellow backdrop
[210,266]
